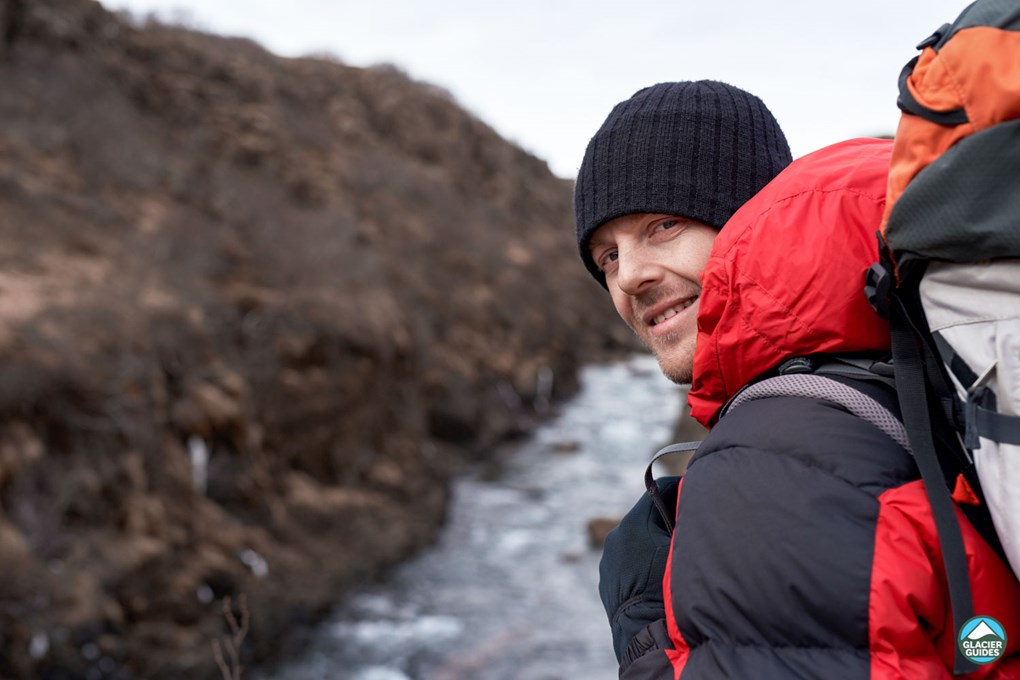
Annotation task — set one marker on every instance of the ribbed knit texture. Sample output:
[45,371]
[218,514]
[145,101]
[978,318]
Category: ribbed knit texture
[694,149]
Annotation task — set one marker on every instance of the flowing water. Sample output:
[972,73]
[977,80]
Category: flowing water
[509,591]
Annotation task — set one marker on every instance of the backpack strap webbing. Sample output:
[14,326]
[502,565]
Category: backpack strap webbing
[990,424]
[908,348]
[980,417]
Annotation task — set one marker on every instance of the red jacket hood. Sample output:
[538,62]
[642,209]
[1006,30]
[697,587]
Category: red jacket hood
[786,273]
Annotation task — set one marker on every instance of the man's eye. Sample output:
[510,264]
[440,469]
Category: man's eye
[607,259]
[668,224]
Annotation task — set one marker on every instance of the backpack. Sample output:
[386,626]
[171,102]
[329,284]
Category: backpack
[949,279]
[949,275]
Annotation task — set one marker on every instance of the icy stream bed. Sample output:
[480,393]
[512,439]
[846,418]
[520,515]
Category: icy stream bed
[509,591]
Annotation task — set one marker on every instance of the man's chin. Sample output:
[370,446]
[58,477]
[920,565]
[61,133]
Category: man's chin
[676,364]
[675,355]
[681,375]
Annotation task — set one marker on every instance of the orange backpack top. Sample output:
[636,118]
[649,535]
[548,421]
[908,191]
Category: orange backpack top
[966,80]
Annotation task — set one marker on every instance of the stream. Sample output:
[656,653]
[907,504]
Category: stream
[509,590]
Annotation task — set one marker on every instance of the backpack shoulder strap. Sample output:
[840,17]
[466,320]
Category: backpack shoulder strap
[909,378]
[794,384]
[820,387]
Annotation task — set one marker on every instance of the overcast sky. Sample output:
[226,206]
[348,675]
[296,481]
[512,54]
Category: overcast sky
[545,73]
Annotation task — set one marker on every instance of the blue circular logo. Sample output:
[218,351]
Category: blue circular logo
[982,639]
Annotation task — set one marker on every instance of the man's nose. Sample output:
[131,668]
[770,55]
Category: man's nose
[637,271]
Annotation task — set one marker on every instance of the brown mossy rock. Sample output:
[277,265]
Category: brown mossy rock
[254,312]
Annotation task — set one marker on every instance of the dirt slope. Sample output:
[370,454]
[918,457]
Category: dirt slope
[254,312]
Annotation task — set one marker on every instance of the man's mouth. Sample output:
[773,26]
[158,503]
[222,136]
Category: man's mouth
[673,311]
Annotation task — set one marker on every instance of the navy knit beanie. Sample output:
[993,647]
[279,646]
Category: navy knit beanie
[698,150]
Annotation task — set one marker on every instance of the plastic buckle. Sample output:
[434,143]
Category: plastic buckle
[934,37]
[877,287]
[797,365]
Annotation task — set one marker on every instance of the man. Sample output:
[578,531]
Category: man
[804,545]
[691,178]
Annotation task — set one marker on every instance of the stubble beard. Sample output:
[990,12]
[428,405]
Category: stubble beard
[676,360]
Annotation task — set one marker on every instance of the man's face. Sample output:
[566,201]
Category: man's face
[652,265]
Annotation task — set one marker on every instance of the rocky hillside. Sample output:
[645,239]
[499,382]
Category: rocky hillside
[254,312]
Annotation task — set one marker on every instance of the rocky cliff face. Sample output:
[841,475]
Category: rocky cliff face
[254,312]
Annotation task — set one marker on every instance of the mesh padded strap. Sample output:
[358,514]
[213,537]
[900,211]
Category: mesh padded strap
[820,387]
